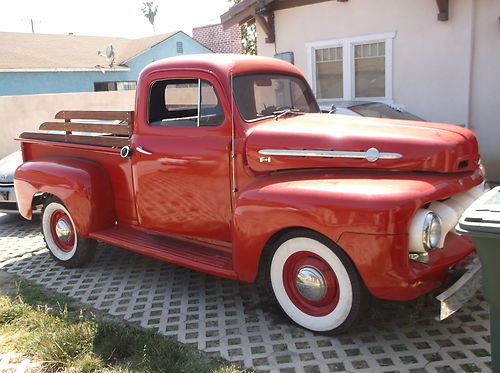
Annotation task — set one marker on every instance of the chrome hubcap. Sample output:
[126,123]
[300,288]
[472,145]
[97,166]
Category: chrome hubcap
[63,230]
[311,284]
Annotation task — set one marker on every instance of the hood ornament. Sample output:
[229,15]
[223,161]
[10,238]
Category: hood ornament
[372,155]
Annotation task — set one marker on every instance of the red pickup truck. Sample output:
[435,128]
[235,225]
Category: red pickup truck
[227,166]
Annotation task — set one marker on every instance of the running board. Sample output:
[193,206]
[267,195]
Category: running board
[191,255]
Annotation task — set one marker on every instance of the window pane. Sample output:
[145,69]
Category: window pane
[369,65]
[182,96]
[358,51]
[329,76]
[174,102]
[125,86]
[104,86]
[381,49]
[258,96]
[211,113]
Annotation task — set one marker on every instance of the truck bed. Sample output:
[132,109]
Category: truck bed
[96,142]
[98,128]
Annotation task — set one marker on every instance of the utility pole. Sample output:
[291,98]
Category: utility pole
[32,27]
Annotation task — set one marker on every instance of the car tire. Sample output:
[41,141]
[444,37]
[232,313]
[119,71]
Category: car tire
[61,237]
[314,282]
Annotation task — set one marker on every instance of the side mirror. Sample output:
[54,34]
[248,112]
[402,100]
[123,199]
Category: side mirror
[333,109]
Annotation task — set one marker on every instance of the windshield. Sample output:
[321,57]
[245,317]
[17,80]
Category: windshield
[260,96]
[379,110]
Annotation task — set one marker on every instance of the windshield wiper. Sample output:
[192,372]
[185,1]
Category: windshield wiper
[282,113]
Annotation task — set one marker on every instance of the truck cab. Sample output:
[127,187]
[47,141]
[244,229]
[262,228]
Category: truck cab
[227,166]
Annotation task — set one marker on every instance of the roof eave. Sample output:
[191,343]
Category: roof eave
[244,11]
[238,14]
[65,69]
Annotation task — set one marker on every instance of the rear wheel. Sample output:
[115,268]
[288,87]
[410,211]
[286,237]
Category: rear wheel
[61,237]
[315,283]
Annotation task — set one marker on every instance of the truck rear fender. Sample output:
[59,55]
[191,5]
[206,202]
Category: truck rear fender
[83,186]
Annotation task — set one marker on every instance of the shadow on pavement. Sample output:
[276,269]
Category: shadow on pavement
[236,321]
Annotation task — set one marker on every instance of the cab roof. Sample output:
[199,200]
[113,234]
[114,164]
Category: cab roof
[223,64]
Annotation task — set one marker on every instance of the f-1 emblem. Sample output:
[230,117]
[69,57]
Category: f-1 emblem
[265,160]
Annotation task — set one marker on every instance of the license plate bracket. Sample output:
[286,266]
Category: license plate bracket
[4,196]
[462,290]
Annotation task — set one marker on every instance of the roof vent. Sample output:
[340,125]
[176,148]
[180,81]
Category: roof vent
[180,47]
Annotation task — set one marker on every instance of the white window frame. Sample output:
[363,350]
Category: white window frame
[348,45]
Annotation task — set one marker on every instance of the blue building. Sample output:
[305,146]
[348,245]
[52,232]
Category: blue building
[43,63]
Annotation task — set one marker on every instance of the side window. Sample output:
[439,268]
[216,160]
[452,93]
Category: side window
[184,102]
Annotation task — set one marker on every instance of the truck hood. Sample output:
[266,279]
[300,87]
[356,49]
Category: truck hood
[323,140]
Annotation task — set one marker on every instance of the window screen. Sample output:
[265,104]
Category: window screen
[184,102]
[369,65]
[329,73]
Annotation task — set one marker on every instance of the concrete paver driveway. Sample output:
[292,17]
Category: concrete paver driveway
[233,320]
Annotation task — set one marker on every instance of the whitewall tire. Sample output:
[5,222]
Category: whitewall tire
[61,236]
[315,283]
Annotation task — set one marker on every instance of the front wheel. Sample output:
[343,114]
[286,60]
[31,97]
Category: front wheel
[61,237]
[315,283]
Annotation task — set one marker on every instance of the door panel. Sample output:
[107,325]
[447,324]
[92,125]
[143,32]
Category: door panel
[183,186]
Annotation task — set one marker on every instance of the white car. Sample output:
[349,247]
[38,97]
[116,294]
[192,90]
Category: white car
[8,165]
[367,109]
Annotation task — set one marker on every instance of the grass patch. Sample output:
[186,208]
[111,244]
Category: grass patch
[51,329]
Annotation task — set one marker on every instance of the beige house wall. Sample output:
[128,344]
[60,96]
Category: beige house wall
[442,71]
[25,113]
[485,87]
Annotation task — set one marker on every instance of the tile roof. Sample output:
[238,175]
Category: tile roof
[19,51]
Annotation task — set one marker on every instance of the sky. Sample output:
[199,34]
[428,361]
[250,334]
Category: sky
[107,17]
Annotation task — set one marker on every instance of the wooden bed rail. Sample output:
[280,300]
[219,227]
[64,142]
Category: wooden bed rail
[92,133]
[125,116]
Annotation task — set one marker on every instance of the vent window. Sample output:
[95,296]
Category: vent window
[180,47]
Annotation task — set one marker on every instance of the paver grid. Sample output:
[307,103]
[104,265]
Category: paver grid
[231,319]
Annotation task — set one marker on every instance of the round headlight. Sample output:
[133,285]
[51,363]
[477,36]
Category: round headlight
[431,234]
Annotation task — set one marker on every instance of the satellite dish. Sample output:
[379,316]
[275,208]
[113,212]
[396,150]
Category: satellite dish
[109,54]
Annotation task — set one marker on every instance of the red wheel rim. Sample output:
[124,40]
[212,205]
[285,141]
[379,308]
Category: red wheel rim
[306,259]
[67,242]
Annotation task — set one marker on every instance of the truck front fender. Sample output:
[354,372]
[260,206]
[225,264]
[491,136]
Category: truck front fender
[333,204]
[323,206]
[83,186]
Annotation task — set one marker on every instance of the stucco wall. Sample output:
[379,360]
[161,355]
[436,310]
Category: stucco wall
[485,93]
[21,83]
[26,113]
[433,73]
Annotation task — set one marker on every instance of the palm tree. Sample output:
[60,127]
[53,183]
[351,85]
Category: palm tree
[149,10]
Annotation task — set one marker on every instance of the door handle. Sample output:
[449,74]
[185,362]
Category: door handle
[142,151]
